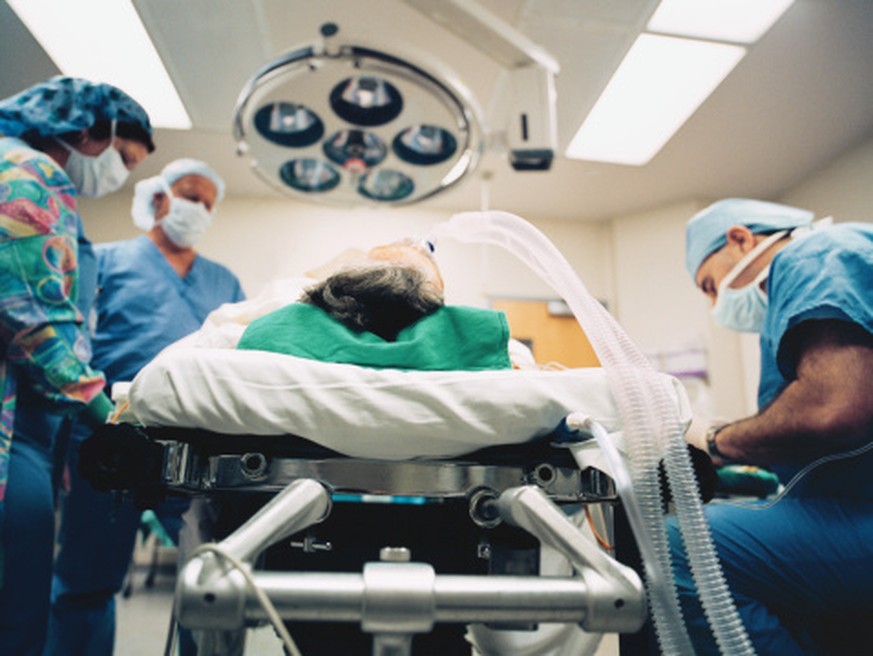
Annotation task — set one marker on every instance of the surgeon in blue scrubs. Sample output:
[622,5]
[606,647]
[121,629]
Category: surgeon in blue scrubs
[152,291]
[805,562]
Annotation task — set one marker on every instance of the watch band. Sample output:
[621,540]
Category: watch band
[711,446]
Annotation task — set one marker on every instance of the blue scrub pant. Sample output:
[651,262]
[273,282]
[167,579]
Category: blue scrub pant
[793,569]
[96,541]
[28,539]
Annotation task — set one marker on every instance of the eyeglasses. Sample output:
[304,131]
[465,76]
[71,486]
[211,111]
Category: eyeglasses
[427,245]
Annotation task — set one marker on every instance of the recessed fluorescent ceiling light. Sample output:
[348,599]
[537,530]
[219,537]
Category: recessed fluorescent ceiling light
[743,21]
[660,83]
[105,41]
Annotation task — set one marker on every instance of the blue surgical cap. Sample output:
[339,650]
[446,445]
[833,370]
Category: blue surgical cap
[182,167]
[142,208]
[67,104]
[706,231]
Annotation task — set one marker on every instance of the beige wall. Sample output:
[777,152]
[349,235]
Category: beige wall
[662,311]
[843,189]
[264,239]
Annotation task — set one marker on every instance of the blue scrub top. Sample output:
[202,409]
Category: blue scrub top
[143,305]
[826,274]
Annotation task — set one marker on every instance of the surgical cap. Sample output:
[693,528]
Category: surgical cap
[142,209]
[706,231]
[182,167]
[67,104]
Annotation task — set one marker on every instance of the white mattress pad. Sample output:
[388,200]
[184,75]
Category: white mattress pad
[368,413]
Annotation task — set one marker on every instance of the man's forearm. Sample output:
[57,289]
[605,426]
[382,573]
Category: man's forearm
[828,408]
[787,431]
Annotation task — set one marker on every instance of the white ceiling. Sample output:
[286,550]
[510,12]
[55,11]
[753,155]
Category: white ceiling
[802,96]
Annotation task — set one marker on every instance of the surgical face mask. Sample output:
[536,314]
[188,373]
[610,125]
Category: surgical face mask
[744,309]
[96,175]
[186,222]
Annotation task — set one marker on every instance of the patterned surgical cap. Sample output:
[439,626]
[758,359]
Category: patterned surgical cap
[67,104]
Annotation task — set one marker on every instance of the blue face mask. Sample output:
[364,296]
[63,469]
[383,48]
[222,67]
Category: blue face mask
[744,309]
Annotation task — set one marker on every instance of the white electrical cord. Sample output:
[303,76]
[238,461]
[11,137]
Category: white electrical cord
[861,450]
[272,614]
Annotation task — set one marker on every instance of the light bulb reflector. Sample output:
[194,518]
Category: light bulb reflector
[424,145]
[288,124]
[355,145]
[309,175]
[366,100]
[386,185]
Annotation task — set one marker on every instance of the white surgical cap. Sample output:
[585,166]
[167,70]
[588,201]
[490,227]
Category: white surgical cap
[706,231]
[143,210]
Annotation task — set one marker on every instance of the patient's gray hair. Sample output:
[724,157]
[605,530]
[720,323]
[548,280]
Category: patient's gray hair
[381,298]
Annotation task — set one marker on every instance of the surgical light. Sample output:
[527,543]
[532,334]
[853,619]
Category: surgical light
[349,125]
[355,146]
[386,185]
[288,125]
[425,144]
[309,175]
[366,100]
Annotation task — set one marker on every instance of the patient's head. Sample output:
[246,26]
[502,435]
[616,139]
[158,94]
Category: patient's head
[397,285]
[415,254]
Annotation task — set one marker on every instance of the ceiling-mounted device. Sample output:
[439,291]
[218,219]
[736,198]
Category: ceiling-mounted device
[350,125]
[523,108]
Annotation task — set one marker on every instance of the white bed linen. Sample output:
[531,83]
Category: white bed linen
[370,413]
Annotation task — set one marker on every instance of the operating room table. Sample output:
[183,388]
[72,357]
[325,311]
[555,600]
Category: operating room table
[384,511]
[501,504]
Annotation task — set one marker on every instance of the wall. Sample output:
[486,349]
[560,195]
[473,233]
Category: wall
[843,189]
[263,239]
[662,311]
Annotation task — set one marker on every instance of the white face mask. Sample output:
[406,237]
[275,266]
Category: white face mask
[744,309]
[96,175]
[186,222]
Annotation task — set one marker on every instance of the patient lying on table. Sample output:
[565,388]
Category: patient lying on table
[386,311]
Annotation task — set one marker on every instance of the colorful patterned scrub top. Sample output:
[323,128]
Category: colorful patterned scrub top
[42,334]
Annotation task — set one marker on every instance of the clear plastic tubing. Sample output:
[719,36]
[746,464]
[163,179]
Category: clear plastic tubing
[652,429]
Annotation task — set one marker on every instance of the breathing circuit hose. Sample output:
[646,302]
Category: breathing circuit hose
[652,430]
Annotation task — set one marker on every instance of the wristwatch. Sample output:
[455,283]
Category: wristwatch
[711,446]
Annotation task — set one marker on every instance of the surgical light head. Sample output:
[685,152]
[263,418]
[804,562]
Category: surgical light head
[350,125]
[706,231]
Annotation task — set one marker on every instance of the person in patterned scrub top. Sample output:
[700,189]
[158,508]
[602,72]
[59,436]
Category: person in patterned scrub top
[58,139]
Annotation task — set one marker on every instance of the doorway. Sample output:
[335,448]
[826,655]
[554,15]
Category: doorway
[549,329]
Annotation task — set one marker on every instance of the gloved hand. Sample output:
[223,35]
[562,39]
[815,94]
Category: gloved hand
[120,457]
[697,432]
[704,472]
